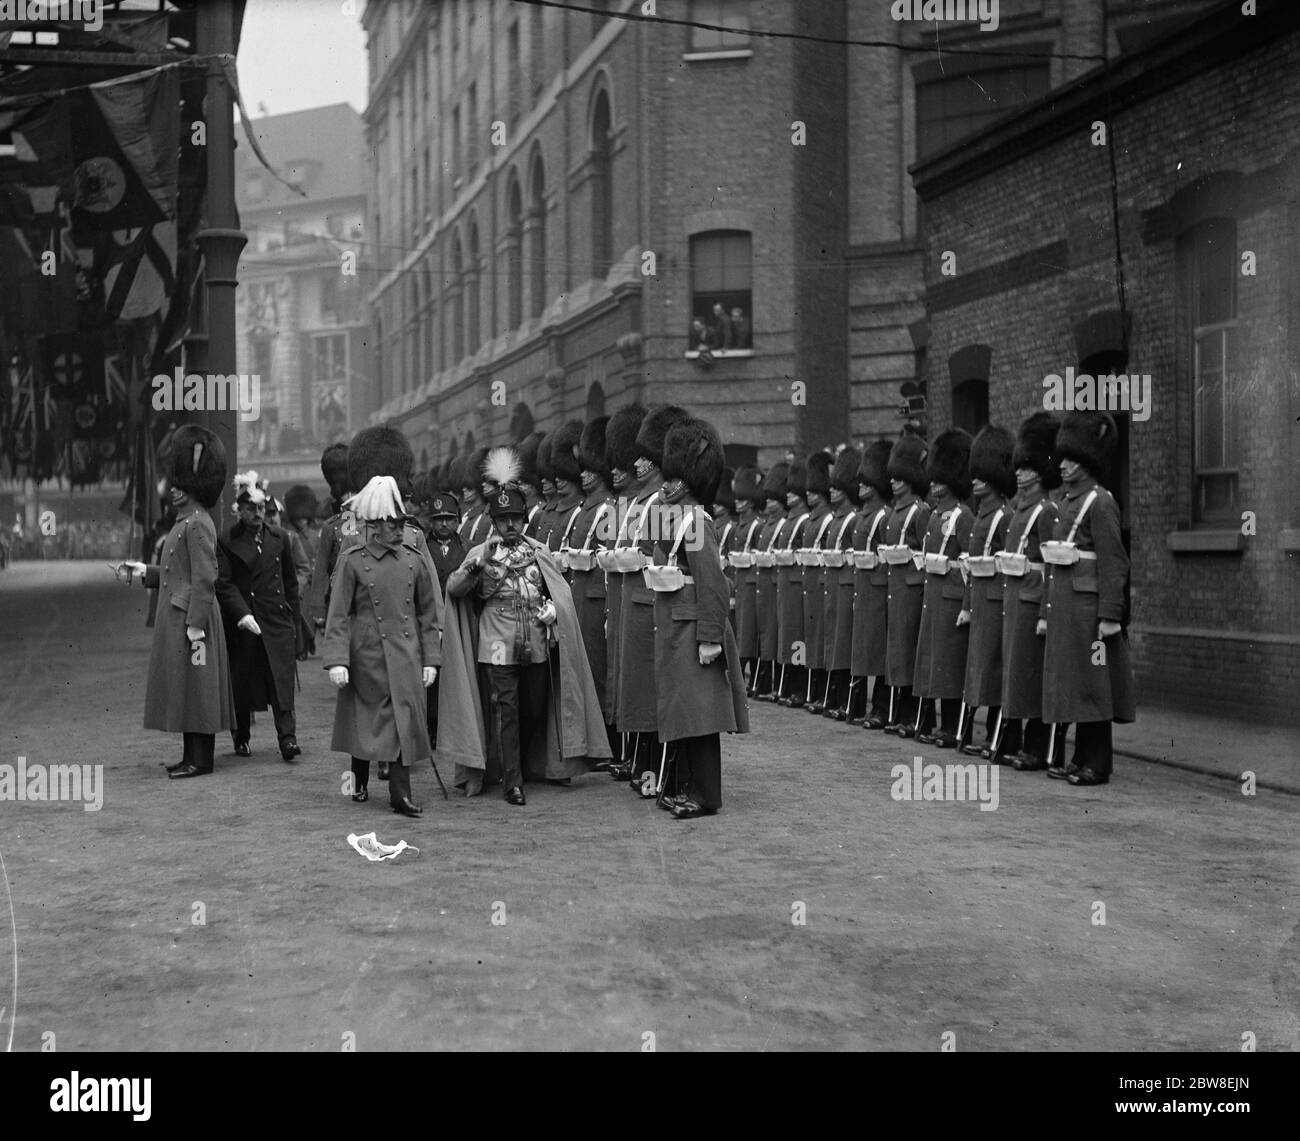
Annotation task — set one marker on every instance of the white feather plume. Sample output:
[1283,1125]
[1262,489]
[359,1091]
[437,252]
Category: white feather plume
[502,466]
[250,483]
[379,499]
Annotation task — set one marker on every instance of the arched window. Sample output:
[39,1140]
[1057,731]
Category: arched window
[457,300]
[602,191]
[473,313]
[537,245]
[514,246]
[970,405]
[595,400]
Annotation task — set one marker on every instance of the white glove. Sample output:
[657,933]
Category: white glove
[130,568]
[1041,628]
[546,614]
[195,633]
[249,623]
[1107,629]
[339,675]
[709,652]
[430,675]
[963,618]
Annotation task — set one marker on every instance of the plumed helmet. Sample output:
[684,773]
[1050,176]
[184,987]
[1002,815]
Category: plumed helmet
[775,482]
[907,462]
[564,451]
[591,447]
[654,430]
[620,437]
[196,463]
[379,499]
[990,459]
[508,500]
[693,453]
[1036,447]
[949,462]
[874,468]
[1088,438]
[844,472]
[380,451]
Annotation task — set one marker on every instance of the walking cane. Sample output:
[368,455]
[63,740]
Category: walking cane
[439,776]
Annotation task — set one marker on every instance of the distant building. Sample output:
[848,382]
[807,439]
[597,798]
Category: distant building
[303,321]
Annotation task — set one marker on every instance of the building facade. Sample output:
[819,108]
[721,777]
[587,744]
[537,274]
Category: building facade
[1147,224]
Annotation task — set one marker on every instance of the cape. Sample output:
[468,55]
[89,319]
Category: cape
[575,724]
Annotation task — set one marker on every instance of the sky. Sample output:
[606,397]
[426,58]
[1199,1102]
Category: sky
[296,54]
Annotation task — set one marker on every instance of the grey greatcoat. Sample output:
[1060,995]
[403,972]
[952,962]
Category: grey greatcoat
[188,690]
[983,685]
[1022,596]
[940,643]
[906,585]
[870,597]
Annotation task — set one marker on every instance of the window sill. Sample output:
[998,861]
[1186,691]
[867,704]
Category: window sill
[704,57]
[720,354]
[1291,539]
[1207,541]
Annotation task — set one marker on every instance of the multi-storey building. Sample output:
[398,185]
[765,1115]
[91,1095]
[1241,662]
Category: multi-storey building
[303,321]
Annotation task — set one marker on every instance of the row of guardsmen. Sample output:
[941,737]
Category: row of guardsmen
[623,502]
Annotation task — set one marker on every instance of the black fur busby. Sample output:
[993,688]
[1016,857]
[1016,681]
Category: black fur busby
[564,451]
[528,460]
[872,470]
[907,462]
[654,430]
[591,447]
[819,473]
[844,472]
[300,502]
[472,472]
[334,467]
[725,496]
[990,459]
[196,463]
[380,451]
[747,483]
[1036,448]
[775,483]
[949,462]
[692,452]
[620,437]
[442,477]
[544,469]
[796,479]
[1089,438]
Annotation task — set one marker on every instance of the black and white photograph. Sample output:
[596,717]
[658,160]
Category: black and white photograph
[657,526]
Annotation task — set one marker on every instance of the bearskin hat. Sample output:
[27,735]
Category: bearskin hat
[544,469]
[1089,438]
[300,502]
[747,483]
[725,496]
[380,451]
[453,480]
[775,482]
[334,467]
[907,463]
[796,479]
[620,437]
[591,447]
[528,459]
[872,469]
[990,459]
[819,473]
[564,451]
[692,452]
[949,462]
[196,463]
[1035,448]
[442,477]
[472,473]
[844,472]
[654,430]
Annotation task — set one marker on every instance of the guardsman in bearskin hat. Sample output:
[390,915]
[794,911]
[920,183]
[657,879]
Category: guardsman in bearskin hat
[591,533]
[699,686]
[529,482]
[188,689]
[766,603]
[511,617]
[816,530]
[942,639]
[620,457]
[447,550]
[747,496]
[334,467]
[871,591]
[905,530]
[792,649]
[546,519]
[723,514]
[1087,674]
[258,589]
[636,704]
[838,582]
[993,482]
[383,668]
[475,524]
[1021,565]
[567,473]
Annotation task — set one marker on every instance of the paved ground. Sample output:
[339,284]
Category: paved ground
[921,918]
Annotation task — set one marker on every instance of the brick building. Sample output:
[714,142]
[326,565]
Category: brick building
[1172,251]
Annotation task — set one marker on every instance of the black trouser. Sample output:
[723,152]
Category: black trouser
[762,678]
[1092,745]
[749,671]
[904,704]
[198,749]
[517,697]
[837,689]
[815,686]
[399,778]
[285,725]
[698,769]
[431,712]
[648,753]
[794,679]
[990,726]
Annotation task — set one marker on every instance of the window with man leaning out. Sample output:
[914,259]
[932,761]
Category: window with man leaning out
[721,293]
